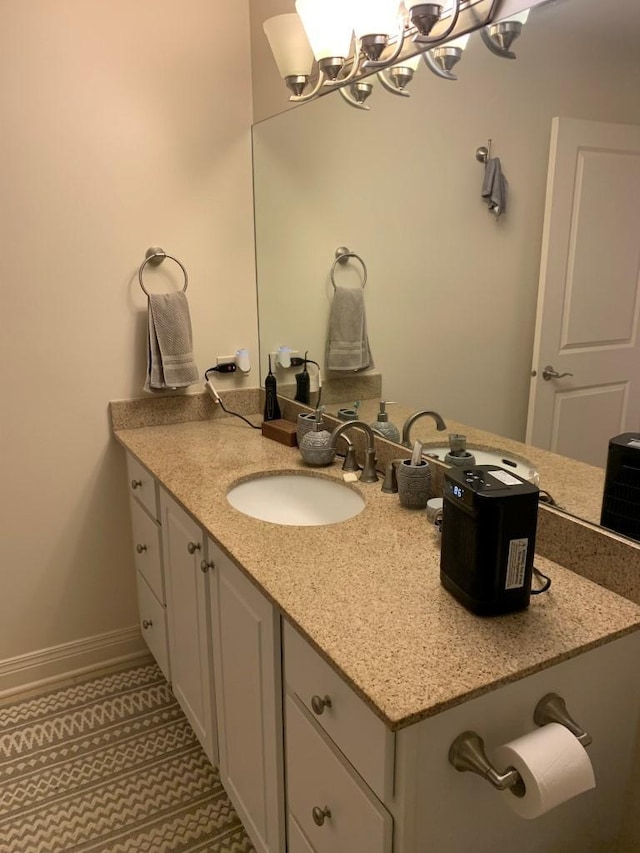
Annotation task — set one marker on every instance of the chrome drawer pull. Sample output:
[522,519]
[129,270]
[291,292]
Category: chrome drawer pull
[319,704]
[136,484]
[147,623]
[319,815]
[205,566]
[141,548]
[192,547]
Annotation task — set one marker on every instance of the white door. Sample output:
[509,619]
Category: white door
[589,295]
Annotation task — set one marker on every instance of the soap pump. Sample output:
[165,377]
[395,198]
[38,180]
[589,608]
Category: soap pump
[271,405]
[384,426]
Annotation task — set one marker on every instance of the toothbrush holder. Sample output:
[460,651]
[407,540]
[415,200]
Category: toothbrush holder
[414,484]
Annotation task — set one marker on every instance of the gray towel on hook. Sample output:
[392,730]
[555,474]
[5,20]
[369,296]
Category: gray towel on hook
[494,187]
[347,340]
[170,361]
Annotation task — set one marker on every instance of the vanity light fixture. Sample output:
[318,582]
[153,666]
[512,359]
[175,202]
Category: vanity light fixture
[352,38]
[499,36]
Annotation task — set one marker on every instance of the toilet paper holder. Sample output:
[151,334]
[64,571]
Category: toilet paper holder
[467,752]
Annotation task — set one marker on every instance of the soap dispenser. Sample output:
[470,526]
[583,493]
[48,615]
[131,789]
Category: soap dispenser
[384,426]
[315,446]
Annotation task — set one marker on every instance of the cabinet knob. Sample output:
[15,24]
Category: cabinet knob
[319,814]
[141,548]
[192,547]
[319,703]
[206,565]
[136,484]
[147,623]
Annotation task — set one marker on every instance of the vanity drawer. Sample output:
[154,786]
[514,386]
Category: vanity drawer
[318,779]
[355,729]
[153,624]
[147,549]
[142,486]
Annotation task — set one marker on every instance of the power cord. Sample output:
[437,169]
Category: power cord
[545,586]
[209,386]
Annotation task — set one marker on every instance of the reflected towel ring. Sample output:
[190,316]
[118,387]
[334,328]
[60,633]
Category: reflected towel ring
[342,256]
[155,256]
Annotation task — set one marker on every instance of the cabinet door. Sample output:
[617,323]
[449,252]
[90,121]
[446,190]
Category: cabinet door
[246,648]
[187,620]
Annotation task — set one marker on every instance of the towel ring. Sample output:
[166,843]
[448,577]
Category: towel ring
[342,256]
[155,256]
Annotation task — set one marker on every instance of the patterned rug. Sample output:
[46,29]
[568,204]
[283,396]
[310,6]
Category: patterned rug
[110,764]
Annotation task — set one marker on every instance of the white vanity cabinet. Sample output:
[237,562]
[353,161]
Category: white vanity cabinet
[339,759]
[248,691]
[186,569]
[147,544]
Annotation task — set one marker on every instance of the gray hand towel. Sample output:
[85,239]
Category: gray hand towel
[170,361]
[494,187]
[348,342]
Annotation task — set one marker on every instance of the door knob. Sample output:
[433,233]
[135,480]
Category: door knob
[141,548]
[549,373]
[147,623]
[192,547]
[205,565]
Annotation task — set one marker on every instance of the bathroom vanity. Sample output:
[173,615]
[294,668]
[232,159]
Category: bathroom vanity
[332,657]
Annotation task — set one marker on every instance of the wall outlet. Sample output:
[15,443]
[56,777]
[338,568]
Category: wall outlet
[225,359]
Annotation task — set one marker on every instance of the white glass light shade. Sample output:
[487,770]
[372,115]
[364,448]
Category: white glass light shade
[375,17]
[289,45]
[328,26]
[460,42]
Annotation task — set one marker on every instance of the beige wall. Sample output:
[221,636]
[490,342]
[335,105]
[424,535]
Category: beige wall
[452,293]
[124,125]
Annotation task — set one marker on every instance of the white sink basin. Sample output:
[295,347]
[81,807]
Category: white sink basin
[520,467]
[296,499]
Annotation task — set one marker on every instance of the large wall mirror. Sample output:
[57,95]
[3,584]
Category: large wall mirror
[452,291]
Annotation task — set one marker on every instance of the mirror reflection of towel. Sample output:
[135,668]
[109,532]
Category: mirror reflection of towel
[170,361]
[494,187]
[348,342]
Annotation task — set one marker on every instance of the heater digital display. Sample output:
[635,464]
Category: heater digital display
[458,491]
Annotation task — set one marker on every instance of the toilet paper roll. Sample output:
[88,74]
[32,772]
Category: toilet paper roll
[554,767]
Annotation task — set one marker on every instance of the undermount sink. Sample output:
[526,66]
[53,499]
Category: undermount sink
[296,499]
[520,467]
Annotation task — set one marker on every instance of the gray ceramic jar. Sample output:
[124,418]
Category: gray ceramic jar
[414,484]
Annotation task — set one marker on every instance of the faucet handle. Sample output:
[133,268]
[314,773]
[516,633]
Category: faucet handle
[369,473]
[390,484]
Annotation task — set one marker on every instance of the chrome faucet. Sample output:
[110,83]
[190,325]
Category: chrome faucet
[369,474]
[406,429]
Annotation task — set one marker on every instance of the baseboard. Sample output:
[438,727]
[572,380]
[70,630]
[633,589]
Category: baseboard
[59,663]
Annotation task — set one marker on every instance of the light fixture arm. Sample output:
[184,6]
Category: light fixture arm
[385,63]
[495,48]
[312,94]
[388,85]
[432,65]
[420,39]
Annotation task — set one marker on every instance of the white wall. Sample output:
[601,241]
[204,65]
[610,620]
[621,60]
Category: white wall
[125,124]
[452,293]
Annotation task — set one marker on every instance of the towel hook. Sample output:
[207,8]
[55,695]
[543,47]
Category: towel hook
[483,153]
[342,256]
[154,256]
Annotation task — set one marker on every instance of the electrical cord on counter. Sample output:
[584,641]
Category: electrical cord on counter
[216,397]
[547,582]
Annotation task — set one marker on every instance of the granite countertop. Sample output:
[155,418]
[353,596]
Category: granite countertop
[366,592]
